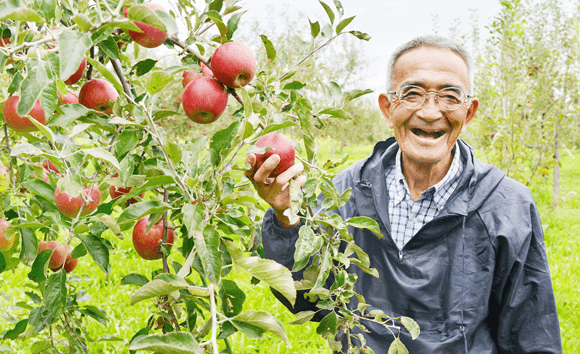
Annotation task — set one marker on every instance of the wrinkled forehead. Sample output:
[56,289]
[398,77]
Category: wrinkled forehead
[431,66]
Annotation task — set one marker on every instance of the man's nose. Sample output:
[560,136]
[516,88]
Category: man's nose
[430,110]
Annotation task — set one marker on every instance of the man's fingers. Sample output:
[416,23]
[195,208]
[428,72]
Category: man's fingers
[251,160]
[266,169]
[290,173]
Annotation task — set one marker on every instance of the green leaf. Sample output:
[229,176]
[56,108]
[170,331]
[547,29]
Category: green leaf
[217,19]
[307,243]
[192,217]
[360,35]
[328,10]
[141,13]
[125,142]
[397,347]
[232,298]
[328,324]
[207,244]
[2,263]
[98,314]
[411,326]
[364,222]
[55,293]
[222,139]
[36,81]
[174,151]
[97,248]
[73,46]
[270,51]
[274,274]
[38,186]
[157,81]
[302,317]
[110,48]
[141,209]
[71,112]
[83,21]
[17,11]
[111,223]
[247,102]
[216,5]
[15,332]
[164,114]
[170,343]
[233,24]
[38,270]
[262,320]
[294,85]
[134,279]
[155,288]
[106,73]
[314,28]
[279,126]
[343,24]
[144,66]
[29,246]
[102,154]
[351,95]
[335,112]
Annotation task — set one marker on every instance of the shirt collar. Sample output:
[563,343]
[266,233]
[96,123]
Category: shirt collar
[438,191]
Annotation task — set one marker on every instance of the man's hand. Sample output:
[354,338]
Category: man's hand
[274,191]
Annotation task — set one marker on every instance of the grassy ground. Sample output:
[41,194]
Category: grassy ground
[562,237]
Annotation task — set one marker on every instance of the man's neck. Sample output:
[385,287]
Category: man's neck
[421,176]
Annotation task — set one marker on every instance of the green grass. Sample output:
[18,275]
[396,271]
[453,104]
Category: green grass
[562,237]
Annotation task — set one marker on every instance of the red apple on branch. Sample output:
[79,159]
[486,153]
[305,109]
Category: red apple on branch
[233,64]
[282,146]
[5,41]
[70,264]
[204,100]
[59,253]
[5,243]
[70,206]
[71,97]
[74,78]
[19,123]
[151,36]
[147,244]
[115,192]
[98,94]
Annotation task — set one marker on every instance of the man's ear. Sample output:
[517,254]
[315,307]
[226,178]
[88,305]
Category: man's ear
[470,113]
[385,107]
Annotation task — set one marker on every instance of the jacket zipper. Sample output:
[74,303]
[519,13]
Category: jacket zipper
[369,185]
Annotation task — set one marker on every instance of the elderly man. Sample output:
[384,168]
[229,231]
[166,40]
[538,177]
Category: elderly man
[463,251]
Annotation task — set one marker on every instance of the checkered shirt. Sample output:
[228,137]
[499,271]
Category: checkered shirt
[408,216]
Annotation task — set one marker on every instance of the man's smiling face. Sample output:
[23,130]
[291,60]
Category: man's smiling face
[428,134]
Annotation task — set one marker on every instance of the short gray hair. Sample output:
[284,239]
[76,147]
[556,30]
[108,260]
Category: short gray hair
[430,41]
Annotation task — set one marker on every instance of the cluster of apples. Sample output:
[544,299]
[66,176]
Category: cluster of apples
[205,94]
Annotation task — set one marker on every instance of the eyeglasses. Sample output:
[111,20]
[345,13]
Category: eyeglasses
[449,98]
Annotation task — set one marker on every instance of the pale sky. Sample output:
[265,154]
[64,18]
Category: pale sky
[390,23]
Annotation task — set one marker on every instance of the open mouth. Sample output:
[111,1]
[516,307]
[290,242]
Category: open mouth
[428,134]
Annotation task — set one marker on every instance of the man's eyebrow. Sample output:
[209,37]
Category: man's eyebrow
[420,84]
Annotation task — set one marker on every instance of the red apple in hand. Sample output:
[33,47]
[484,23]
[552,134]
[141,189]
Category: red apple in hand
[70,206]
[204,100]
[74,78]
[151,36]
[59,253]
[99,95]
[146,244]
[233,64]
[19,123]
[115,192]
[5,243]
[282,146]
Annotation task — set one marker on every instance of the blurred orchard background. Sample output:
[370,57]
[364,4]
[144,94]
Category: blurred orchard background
[527,79]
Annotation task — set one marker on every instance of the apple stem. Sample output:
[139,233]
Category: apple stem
[124,81]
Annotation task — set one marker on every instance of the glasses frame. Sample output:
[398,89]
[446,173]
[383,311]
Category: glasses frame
[436,94]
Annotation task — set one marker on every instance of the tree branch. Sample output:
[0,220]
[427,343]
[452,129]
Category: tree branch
[124,82]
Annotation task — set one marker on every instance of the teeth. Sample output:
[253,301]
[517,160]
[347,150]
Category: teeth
[436,134]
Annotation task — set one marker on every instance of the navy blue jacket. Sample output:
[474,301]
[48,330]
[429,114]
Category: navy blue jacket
[475,278]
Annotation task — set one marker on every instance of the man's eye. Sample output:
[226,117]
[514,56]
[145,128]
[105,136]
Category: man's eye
[411,94]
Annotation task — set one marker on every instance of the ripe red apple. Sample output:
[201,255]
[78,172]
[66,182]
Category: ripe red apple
[71,97]
[74,78]
[151,36]
[70,206]
[204,100]
[115,192]
[49,166]
[5,243]
[189,76]
[59,253]
[282,146]
[19,123]
[233,64]
[5,41]
[70,264]
[147,244]
[98,94]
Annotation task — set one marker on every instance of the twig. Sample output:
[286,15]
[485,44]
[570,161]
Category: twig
[90,69]
[188,49]
[213,339]
[52,340]
[165,224]
[124,81]
[9,153]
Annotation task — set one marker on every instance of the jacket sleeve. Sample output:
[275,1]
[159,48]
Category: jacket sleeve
[523,298]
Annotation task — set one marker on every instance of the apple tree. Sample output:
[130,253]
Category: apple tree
[83,154]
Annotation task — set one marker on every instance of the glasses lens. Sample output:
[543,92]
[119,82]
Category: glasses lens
[451,98]
[411,96]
